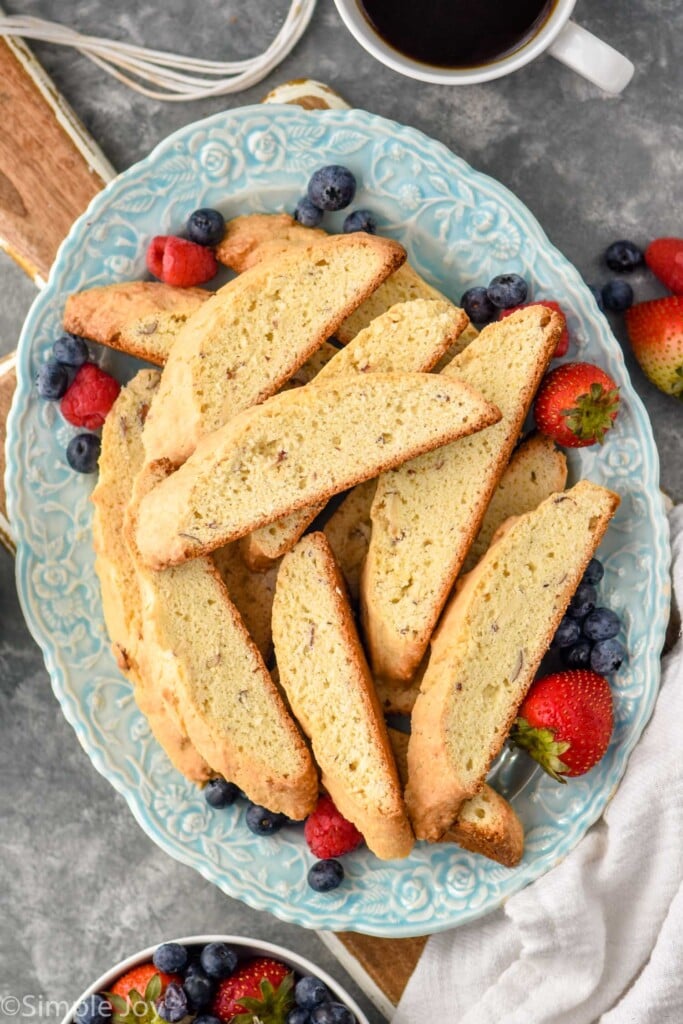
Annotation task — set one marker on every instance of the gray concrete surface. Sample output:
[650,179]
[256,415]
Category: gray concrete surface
[82,885]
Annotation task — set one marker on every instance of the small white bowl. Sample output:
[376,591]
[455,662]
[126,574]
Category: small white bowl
[247,947]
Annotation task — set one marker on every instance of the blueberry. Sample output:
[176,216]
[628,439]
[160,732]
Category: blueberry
[82,452]
[199,988]
[263,822]
[220,793]
[583,601]
[71,350]
[507,290]
[577,656]
[207,1018]
[601,624]
[218,960]
[52,380]
[331,1013]
[205,227]
[607,656]
[173,1004]
[307,213]
[596,292]
[623,256]
[568,632]
[325,875]
[94,1009]
[171,958]
[478,306]
[617,296]
[298,1016]
[332,187]
[594,572]
[360,220]
[310,991]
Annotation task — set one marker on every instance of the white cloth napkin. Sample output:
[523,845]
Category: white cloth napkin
[600,937]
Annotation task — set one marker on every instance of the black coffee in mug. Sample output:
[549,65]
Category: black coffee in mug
[456,33]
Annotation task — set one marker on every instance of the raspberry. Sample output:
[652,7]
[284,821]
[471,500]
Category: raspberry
[563,343]
[89,397]
[179,262]
[327,833]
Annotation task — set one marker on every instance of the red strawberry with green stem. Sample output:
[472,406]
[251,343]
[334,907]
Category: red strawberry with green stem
[134,996]
[655,330]
[664,257]
[576,404]
[260,989]
[565,722]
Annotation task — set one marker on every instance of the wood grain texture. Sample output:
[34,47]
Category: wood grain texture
[388,962]
[8,380]
[47,176]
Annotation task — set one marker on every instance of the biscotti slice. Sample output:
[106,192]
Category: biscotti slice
[348,533]
[488,647]
[121,457]
[328,685]
[256,332]
[427,513]
[137,317]
[252,594]
[210,670]
[404,285]
[410,336]
[485,824]
[298,448]
[253,237]
[536,470]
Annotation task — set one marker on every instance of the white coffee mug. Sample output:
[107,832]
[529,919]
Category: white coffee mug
[580,50]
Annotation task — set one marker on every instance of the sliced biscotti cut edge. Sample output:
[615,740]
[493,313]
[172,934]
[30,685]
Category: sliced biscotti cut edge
[104,313]
[298,448]
[256,332]
[489,644]
[252,594]
[253,237]
[427,512]
[324,673]
[409,336]
[348,533]
[485,824]
[404,285]
[212,674]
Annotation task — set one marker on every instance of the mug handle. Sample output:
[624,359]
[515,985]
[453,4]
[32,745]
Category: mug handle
[596,60]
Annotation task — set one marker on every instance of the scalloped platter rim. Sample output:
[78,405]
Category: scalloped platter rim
[460,228]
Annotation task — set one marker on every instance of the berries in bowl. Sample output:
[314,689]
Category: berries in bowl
[211,979]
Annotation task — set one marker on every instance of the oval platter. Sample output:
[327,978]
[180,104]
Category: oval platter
[460,228]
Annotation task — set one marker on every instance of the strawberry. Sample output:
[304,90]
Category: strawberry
[135,995]
[179,262]
[655,330]
[576,404]
[328,833]
[89,397]
[262,989]
[565,722]
[563,341]
[664,257]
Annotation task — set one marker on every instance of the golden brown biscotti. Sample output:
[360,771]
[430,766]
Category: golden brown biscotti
[486,823]
[427,512]
[256,332]
[120,460]
[253,237]
[327,681]
[252,594]
[461,343]
[488,647]
[210,671]
[536,470]
[298,448]
[404,285]
[137,317]
[410,336]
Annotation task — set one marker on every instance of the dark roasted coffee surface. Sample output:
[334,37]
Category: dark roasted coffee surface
[456,33]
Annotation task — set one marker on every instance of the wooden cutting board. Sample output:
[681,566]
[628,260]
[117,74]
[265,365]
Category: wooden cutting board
[39,200]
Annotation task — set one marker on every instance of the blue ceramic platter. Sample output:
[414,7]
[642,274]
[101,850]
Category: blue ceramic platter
[460,228]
